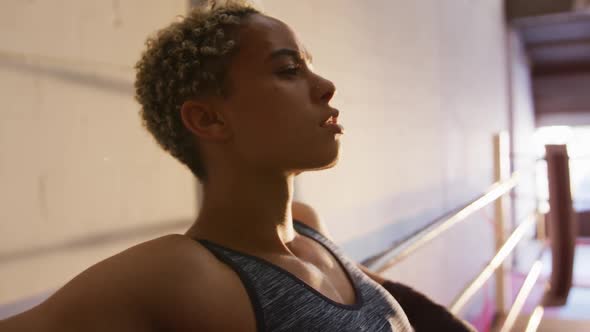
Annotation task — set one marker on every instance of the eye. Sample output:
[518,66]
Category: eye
[291,70]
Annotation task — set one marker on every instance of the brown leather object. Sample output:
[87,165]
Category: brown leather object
[583,218]
[562,225]
[423,313]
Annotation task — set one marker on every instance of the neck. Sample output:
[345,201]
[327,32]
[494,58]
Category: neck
[250,212]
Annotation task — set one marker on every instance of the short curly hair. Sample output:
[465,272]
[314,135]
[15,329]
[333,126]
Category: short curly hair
[187,59]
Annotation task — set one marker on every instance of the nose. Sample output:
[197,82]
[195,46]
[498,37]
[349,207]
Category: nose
[325,90]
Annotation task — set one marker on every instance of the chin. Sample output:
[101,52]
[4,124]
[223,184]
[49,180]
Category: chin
[330,165]
[325,160]
[324,157]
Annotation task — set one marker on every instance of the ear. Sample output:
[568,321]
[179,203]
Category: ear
[204,121]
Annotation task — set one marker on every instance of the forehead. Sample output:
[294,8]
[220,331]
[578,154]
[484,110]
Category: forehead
[260,35]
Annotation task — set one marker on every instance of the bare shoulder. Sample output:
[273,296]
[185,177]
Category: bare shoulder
[306,214]
[169,282]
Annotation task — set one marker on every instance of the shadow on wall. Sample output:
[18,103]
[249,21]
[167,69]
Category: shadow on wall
[62,72]
[359,248]
[396,233]
[95,240]
[431,205]
[11,309]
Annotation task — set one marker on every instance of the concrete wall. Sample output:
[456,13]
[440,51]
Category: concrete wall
[80,178]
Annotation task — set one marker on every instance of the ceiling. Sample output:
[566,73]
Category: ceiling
[556,36]
[556,33]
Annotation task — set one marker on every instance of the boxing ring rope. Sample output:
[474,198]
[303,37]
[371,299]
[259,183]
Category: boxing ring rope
[503,246]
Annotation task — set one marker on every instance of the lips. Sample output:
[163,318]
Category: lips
[331,122]
[334,127]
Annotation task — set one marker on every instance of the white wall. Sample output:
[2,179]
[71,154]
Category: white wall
[524,154]
[523,115]
[422,89]
[76,167]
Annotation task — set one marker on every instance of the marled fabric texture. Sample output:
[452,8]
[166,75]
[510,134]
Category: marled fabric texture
[282,302]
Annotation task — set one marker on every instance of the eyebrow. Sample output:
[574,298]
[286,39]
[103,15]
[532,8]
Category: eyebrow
[304,55]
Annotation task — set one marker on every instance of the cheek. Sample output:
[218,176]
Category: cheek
[254,127]
[270,127]
[272,138]
[274,110]
[273,117]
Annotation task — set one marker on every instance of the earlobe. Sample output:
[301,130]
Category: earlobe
[203,121]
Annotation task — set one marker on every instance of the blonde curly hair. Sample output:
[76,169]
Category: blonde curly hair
[187,59]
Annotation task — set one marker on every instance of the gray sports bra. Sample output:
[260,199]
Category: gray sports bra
[283,302]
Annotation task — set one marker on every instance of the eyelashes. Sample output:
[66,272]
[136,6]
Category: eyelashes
[290,71]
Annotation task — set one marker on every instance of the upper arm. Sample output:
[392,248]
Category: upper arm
[377,278]
[109,296]
[87,303]
[117,294]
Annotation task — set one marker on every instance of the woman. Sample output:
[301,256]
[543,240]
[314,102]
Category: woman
[231,93]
